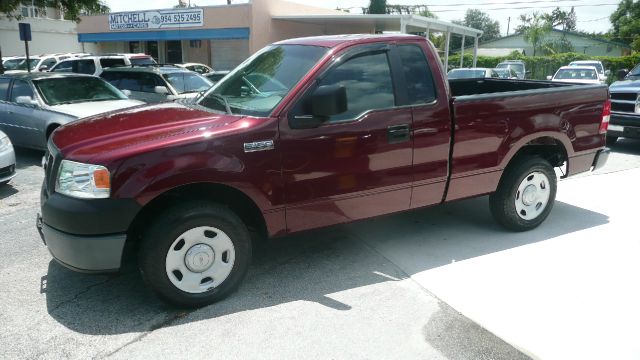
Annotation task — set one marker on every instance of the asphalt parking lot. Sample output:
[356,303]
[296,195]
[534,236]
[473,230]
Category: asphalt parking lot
[434,283]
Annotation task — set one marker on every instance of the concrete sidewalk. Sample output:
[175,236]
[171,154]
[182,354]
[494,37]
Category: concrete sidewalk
[567,290]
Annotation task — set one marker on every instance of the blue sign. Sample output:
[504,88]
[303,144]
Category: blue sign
[25,31]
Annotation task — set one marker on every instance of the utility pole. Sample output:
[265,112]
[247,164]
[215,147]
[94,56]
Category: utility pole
[508,24]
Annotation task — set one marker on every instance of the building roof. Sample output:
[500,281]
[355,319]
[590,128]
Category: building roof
[385,22]
[335,40]
[567,33]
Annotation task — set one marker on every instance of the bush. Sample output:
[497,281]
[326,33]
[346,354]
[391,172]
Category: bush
[541,66]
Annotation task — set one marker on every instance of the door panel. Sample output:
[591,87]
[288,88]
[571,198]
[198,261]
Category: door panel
[358,163]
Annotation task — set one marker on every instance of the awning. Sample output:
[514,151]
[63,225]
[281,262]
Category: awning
[400,23]
[199,34]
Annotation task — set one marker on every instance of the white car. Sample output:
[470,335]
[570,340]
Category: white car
[37,62]
[577,74]
[472,73]
[602,73]
[7,159]
[199,68]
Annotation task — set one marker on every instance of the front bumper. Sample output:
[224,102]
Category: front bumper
[7,164]
[86,235]
[624,125]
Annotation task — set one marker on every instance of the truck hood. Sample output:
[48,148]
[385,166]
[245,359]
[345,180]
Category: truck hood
[114,135]
[90,108]
[626,86]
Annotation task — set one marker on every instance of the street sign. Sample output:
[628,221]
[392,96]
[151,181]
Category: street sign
[25,31]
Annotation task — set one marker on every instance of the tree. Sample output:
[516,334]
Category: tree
[377,7]
[562,20]
[626,23]
[71,8]
[476,19]
[534,29]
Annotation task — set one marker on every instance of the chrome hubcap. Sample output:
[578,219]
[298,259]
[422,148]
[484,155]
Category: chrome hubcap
[532,196]
[200,259]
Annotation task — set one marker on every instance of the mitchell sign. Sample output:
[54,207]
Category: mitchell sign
[155,19]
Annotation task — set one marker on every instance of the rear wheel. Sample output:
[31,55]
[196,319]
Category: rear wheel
[525,194]
[195,254]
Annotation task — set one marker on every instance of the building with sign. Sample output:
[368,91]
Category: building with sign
[223,36]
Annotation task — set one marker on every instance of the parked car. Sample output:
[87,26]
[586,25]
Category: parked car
[90,65]
[7,159]
[625,107]
[33,105]
[157,83]
[577,74]
[518,66]
[37,63]
[306,133]
[602,73]
[216,76]
[472,73]
[506,73]
[201,69]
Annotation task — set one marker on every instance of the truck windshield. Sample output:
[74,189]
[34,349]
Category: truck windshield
[466,74]
[69,90]
[596,65]
[258,85]
[635,71]
[518,68]
[187,82]
[576,74]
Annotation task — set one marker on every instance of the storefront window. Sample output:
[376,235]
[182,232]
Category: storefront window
[174,52]
[152,49]
[134,47]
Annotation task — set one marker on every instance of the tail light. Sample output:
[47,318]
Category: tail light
[606,114]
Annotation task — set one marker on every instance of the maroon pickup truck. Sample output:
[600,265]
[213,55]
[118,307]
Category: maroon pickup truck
[306,133]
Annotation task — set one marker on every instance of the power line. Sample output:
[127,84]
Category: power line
[590,20]
[529,7]
[506,3]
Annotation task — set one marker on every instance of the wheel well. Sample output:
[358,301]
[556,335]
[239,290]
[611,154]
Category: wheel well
[234,199]
[50,130]
[547,148]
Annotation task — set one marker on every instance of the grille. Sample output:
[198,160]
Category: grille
[7,170]
[622,107]
[624,96]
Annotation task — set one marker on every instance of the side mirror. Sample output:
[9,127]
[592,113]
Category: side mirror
[161,90]
[549,77]
[324,102]
[329,100]
[43,68]
[27,100]
[607,72]
[622,73]
[126,92]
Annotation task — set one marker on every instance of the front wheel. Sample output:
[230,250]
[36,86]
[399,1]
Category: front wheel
[525,194]
[195,254]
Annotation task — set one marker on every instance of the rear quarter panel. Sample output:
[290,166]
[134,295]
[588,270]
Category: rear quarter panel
[491,128]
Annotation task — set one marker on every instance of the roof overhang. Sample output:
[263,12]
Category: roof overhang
[383,22]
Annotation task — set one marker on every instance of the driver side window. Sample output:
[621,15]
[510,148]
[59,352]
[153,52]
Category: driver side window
[367,79]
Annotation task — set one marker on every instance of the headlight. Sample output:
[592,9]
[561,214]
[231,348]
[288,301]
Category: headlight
[83,180]
[5,143]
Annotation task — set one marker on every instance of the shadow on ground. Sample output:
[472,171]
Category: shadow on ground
[626,146]
[308,266]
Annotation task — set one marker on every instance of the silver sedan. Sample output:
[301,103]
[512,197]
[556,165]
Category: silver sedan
[7,159]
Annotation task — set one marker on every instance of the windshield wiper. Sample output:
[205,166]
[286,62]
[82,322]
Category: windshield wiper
[224,102]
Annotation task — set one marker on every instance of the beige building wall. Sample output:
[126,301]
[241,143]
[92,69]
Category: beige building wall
[49,36]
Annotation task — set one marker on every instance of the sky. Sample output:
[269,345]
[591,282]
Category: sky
[592,15]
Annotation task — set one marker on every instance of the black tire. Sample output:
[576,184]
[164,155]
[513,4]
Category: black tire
[4,182]
[611,140]
[502,202]
[174,222]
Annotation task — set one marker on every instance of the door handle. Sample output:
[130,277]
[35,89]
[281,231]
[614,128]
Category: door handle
[398,133]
